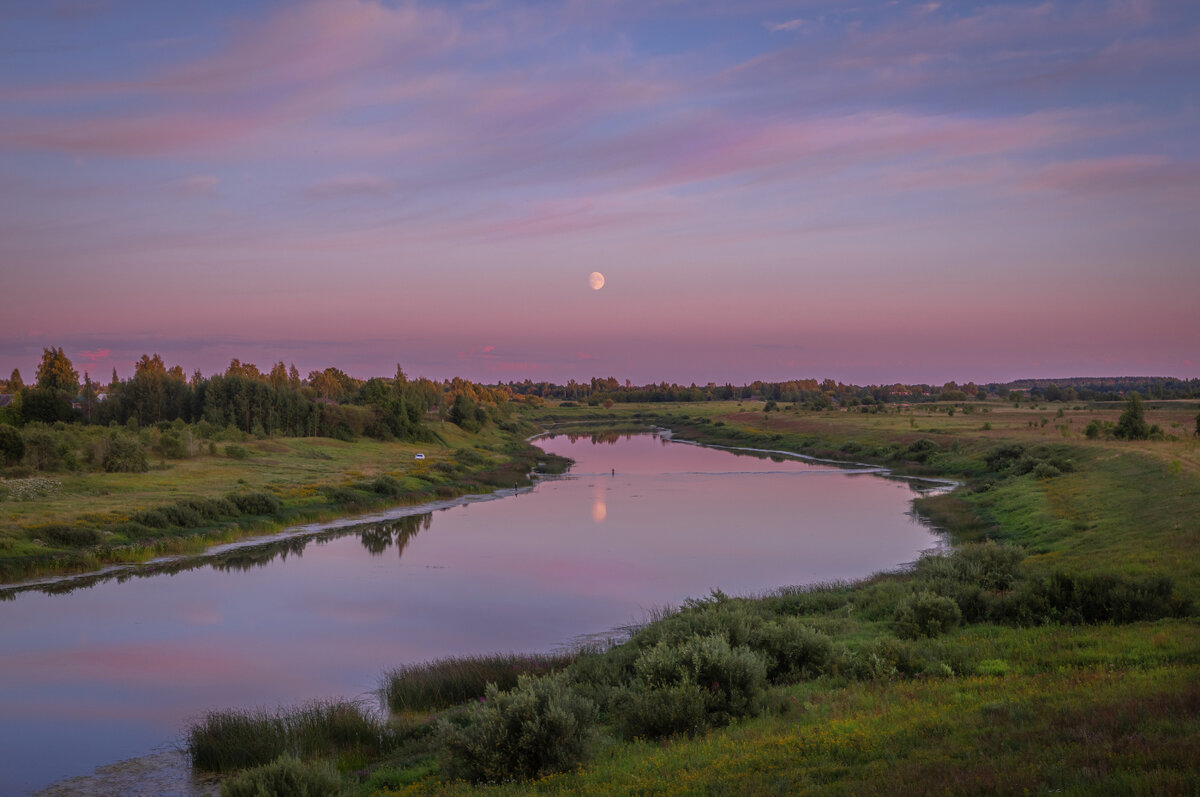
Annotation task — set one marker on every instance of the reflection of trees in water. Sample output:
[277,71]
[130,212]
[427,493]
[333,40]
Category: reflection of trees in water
[611,438]
[375,537]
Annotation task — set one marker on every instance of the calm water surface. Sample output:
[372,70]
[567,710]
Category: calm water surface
[115,670]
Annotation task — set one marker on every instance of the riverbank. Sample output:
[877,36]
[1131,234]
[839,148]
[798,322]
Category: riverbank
[1025,691]
[1057,655]
[77,523]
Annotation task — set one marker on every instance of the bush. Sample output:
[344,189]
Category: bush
[286,777]
[665,711]
[343,496]
[258,502]
[732,680]
[794,650]
[237,452]
[386,485]
[124,454]
[68,536]
[210,509]
[926,615]
[153,518]
[541,726]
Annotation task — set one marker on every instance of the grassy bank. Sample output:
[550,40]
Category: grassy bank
[80,521]
[1057,650]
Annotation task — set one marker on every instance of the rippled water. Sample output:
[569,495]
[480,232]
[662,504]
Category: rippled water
[113,669]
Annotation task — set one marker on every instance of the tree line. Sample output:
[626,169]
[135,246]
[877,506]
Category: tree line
[326,403]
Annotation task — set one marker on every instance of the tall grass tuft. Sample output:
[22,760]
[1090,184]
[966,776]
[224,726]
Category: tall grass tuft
[229,740]
[448,682]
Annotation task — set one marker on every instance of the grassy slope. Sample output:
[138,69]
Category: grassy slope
[1072,709]
[293,469]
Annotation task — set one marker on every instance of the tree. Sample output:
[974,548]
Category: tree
[56,373]
[1132,423]
[15,383]
[12,445]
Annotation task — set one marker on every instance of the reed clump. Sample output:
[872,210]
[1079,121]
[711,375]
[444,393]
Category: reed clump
[454,680]
[223,741]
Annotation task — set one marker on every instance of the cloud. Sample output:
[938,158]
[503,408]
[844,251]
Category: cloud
[98,354]
[781,27]
[1119,174]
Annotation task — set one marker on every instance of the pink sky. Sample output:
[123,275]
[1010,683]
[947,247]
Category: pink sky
[885,192]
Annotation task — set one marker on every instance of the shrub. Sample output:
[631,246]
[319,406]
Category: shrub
[210,508]
[732,619]
[539,727]
[732,679]
[286,777]
[926,615]
[257,502]
[69,536]
[665,711]
[794,650]
[181,515]
[124,454]
[132,530]
[345,496]
[237,452]
[153,518]
[386,485]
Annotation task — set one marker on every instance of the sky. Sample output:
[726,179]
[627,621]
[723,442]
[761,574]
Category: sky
[867,190]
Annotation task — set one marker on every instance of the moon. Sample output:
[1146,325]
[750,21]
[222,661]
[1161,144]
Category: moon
[596,280]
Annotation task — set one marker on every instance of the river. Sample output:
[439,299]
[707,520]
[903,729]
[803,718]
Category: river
[99,671]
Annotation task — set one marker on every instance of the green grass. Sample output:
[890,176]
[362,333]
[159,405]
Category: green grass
[225,741]
[448,682]
[131,517]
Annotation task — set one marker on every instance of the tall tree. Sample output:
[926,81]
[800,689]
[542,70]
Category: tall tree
[15,383]
[56,372]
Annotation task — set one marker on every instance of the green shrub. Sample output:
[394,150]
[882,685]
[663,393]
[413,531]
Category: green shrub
[181,515]
[132,530]
[124,454]
[237,452]
[257,502]
[343,496]
[68,536]
[733,619]
[210,509]
[883,659]
[926,615]
[660,712]
[732,679]
[386,485]
[539,727]
[287,777]
[794,650]
[153,518]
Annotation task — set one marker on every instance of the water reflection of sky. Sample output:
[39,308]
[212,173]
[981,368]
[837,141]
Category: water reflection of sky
[115,669]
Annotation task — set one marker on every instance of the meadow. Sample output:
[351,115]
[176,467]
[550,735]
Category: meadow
[221,488]
[1056,649]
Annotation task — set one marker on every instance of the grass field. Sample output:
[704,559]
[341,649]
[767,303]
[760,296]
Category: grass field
[1057,651]
[63,522]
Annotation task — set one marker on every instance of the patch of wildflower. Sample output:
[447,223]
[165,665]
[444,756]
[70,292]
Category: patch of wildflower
[29,489]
